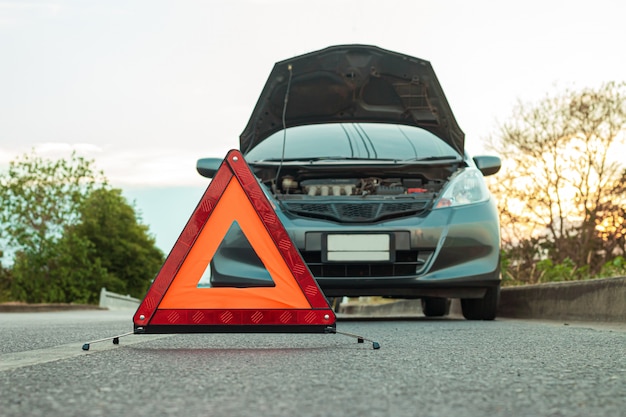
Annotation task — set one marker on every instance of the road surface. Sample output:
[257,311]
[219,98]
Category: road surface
[425,367]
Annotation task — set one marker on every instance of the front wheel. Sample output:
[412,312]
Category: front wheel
[435,306]
[335,303]
[482,308]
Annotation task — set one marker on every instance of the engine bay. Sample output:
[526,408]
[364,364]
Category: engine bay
[360,187]
[354,193]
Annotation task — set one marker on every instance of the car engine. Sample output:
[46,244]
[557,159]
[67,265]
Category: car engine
[356,200]
[371,186]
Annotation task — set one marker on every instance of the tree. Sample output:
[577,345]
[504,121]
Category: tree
[611,218]
[40,197]
[122,245]
[66,271]
[561,175]
[70,235]
[5,282]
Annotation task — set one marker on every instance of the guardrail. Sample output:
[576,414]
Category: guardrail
[114,301]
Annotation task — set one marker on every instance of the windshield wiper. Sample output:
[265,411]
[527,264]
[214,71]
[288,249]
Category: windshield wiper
[434,158]
[323,158]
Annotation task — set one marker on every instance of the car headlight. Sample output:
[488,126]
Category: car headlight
[468,187]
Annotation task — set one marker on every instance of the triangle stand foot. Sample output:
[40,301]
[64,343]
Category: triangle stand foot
[360,339]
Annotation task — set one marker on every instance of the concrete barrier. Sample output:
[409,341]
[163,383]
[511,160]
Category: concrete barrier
[113,301]
[590,300]
[18,307]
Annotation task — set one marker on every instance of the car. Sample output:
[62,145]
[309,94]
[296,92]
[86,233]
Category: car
[359,152]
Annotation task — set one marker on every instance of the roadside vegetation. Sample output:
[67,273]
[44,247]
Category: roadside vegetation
[66,233]
[562,188]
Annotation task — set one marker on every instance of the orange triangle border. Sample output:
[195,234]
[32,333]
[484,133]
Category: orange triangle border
[150,319]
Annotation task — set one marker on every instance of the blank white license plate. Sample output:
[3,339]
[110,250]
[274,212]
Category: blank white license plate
[358,247]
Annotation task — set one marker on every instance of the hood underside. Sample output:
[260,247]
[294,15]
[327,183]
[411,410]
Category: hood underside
[352,83]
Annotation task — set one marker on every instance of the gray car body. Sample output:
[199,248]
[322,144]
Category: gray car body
[437,253]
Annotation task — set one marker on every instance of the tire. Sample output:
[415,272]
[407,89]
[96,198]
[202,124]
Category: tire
[435,306]
[335,303]
[484,308]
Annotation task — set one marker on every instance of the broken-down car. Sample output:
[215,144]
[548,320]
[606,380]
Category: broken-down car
[359,152]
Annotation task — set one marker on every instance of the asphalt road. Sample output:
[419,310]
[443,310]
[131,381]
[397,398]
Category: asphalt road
[447,367]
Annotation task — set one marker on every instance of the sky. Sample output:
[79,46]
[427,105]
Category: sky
[147,87]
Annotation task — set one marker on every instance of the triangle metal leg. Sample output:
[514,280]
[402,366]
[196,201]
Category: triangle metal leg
[115,339]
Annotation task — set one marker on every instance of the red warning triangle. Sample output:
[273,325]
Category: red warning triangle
[176,304]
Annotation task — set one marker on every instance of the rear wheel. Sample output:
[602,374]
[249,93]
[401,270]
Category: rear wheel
[482,308]
[435,306]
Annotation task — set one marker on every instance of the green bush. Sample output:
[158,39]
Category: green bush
[565,271]
[547,270]
[613,268]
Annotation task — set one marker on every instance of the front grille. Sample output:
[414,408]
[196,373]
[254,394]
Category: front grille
[357,212]
[407,263]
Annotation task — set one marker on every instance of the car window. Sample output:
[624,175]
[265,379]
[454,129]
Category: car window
[352,140]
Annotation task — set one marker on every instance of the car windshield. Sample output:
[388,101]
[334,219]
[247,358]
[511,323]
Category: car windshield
[377,141]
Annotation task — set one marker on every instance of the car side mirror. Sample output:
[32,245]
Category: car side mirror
[207,167]
[488,165]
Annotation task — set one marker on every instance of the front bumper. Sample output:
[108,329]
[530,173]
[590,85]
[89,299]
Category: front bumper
[452,252]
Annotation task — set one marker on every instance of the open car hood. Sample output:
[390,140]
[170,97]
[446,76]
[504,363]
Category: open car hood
[352,83]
